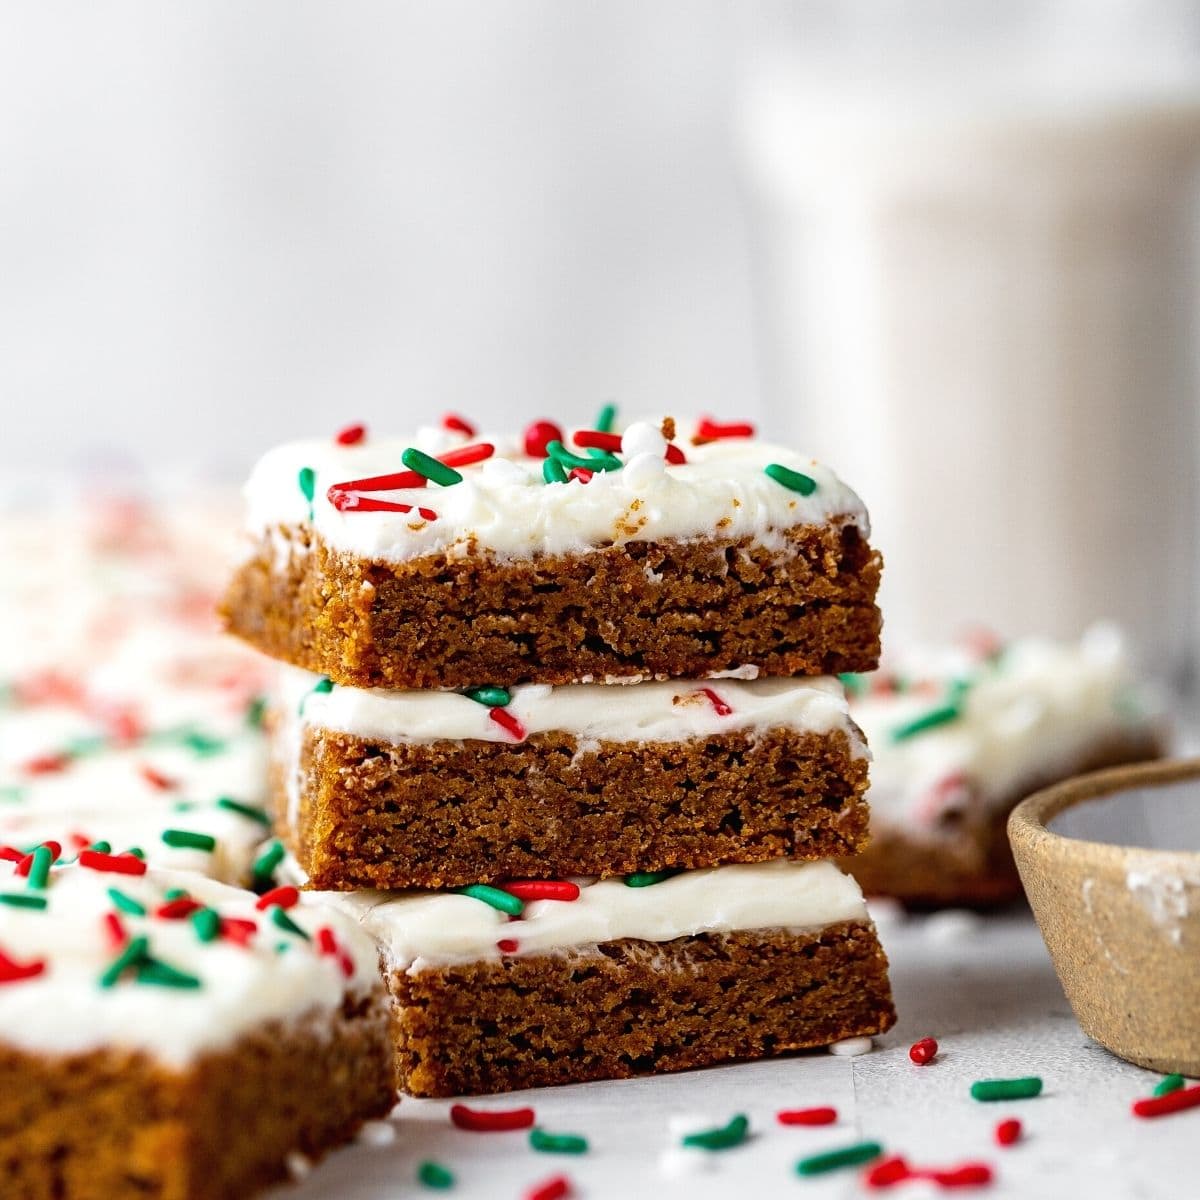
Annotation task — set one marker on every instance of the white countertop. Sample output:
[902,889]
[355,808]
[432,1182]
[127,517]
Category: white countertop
[983,987]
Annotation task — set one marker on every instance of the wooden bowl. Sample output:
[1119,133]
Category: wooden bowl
[1111,865]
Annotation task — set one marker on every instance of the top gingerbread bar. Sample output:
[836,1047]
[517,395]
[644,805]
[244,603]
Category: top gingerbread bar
[457,560]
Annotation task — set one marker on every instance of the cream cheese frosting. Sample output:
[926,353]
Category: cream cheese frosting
[418,929]
[1012,715]
[671,711]
[52,962]
[504,506]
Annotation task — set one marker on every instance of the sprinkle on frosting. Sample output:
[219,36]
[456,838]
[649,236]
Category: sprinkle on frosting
[457,424]
[428,466]
[538,436]
[795,481]
[350,435]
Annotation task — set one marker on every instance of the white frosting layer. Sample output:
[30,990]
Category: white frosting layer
[415,929]
[592,712]
[64,1010]
[1036,711]
[504,506]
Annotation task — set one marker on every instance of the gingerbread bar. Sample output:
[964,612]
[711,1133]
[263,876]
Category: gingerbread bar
[961,734]
[167,1036]
[624,977]
[398,789]
[507,561]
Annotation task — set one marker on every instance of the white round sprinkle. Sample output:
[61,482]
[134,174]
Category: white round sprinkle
[377,1133]
[685,1160]
[642,470]
[643,438]
[298,1165]
[852,1046]
[953,925]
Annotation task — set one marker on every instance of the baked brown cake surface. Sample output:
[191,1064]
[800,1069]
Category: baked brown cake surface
[633,1007]
[372,814]
[657,609]
[108,1125]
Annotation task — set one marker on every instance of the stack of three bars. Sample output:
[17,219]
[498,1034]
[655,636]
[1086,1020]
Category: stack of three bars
[558,728]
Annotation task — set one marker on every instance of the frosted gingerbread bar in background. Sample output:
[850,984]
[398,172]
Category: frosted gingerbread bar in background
[385,789]
[455,560]
[962,733]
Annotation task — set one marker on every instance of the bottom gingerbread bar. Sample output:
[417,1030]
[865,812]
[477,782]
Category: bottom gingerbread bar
[612,980]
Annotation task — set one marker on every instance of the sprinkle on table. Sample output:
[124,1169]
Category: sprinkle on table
[497,898]
[430,467]
[640,879]
[723,1137]
[432,1174]
[795,481]
[509,723]
[1171,1102]
[482,1120]
[833,1160]
[557,1143]
[543,889]
[185,839]
[1168,1083]
[558,1187]
[457,424]
[923,1052]
[492,697]
[1022,1088]
[821,1115]
[1008,1132]
[350,435]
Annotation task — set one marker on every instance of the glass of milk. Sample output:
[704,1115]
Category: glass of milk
[978,296]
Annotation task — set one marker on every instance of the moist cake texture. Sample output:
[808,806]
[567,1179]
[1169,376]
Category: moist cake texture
[428,789]
[651,569]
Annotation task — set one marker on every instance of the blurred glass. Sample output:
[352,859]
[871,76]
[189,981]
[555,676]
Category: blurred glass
[975,226]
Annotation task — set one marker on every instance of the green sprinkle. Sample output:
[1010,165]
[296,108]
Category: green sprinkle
[436,472]
[434,1175]
[280,918]
[1169,1083]
[161,975]
[101,847]
[22,900]
[126,904]
[322,687]
[266,862]
[184,839]
[647,878]
[307,479]
[854,683]
[183,806]
[177,893]
[1006,1089]
[136,851]
[557,1143]
[78,747]
[11,794]
[506,902]
[202,744]
[831,1160]
[134,953]
[942,715]
[39,867]
[794,481]
[207,924]
[552,471]
[246,810]
[255,711]
[493,697]
[723,1137]
[606,462]
[605,418]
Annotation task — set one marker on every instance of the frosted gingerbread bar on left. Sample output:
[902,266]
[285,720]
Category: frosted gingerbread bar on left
[166,1036]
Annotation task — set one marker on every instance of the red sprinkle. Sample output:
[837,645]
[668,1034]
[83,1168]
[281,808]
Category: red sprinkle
[543,889]
[238,929]
[156,778]
[47,764]
[508,945]
[968,1175]
[580,473]
[924,1051]
[553,1189]
[123,725]
[597,440]
[674,455]
[326,942]
[1172,1102]
[464,456]
[1008,1132]
[490,1120]
[79,841]
[285,897]
[710,431]
[177,909]
[722,709]
[12,854]
[508,723]
[887,1173]
[457,424]
[15,972]
[26,860]
[351,435]
[379,483]
[118,864]
[807,1116]
[115,931]
[894,1170]
[353,502]
[539,435]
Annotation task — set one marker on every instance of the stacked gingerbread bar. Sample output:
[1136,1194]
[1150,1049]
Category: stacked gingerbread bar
[558,725]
